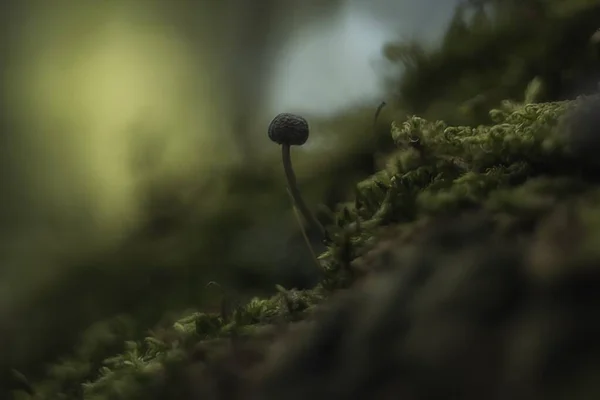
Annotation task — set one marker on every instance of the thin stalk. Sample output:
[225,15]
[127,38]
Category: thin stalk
[303,231]
[295,193]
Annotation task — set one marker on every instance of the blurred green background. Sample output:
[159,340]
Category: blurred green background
[135,165]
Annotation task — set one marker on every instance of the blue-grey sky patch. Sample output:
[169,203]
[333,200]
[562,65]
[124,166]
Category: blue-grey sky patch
[325,69]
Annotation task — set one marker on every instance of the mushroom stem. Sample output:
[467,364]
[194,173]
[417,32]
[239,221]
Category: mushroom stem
[291,179]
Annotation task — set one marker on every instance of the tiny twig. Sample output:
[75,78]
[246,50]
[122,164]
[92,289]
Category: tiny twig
[376,116]
[376,154]
[226,300]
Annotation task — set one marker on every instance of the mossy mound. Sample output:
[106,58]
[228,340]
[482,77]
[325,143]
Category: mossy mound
[536,156]
[471,241]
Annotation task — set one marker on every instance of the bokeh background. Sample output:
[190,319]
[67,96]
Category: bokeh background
[134,161]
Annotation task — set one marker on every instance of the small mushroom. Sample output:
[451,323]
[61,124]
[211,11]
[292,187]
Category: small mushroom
[292,130]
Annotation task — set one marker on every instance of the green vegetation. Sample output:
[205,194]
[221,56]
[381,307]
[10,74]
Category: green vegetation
[525,172]
[517,171]
[486,57]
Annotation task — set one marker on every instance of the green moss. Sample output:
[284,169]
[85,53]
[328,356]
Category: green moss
[143,366]
[484,59]
[516,171]
[520,166]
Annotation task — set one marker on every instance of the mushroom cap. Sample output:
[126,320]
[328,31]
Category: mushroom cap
[289,129]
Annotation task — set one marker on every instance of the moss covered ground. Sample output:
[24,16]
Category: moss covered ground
[466,268]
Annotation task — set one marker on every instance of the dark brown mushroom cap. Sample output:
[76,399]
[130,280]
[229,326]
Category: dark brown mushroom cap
[289,129]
